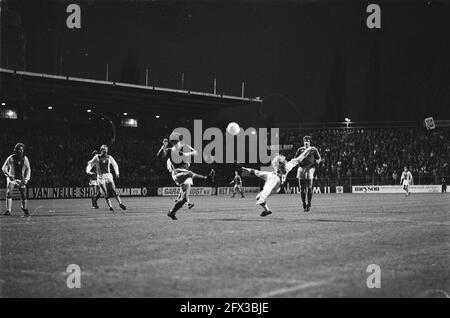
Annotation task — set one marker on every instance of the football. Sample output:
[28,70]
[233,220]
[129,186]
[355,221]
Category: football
[233,128]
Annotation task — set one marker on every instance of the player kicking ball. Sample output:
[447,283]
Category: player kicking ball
[179,167]
[18,172]
[305,172]
[274,179]
[170,168]
[105,180]
[406,180]
[237,182]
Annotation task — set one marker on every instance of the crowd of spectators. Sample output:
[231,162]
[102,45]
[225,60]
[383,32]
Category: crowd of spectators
[371,156]
[59,157]
[378,155]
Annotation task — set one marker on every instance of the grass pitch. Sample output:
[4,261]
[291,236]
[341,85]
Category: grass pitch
[223,248]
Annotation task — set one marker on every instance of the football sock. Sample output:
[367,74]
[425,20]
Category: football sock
[265,206]
[302,193]
[178,205]
[8,204]
[97,196]
[309,196]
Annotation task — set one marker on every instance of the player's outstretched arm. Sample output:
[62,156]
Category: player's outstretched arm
[91,164]
[88,169]
[318,156]
[5,169]
[115,165]
[27,170]
[162,152]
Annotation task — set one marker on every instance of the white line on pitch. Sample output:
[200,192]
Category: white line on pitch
[281,291]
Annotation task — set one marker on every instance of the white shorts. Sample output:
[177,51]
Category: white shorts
[15,183]
[182,176]
[93,183]
[272,185]
[103,179]
[406,183]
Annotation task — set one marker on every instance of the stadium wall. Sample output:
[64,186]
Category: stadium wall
[72,193]
[396,189]
[288,188]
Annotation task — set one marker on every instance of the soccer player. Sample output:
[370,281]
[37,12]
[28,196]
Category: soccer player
[237,182]
[274,179]
[95,188]
[18,172]
[102,163]
[305,172]
[406,180]
[170,168]
[179,167]
[190,205]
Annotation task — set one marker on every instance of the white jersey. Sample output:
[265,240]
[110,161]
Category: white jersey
[13,163]
[102,164]
[406,177]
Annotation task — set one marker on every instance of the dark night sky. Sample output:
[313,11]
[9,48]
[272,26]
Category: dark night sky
[315,60]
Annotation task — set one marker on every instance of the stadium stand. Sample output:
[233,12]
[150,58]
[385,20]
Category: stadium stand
[58,155]
[378,155]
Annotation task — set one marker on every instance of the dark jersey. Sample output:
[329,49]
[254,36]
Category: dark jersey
[310,159]
[237,180]
[18,166]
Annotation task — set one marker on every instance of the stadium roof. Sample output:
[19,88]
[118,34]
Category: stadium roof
[39,89]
